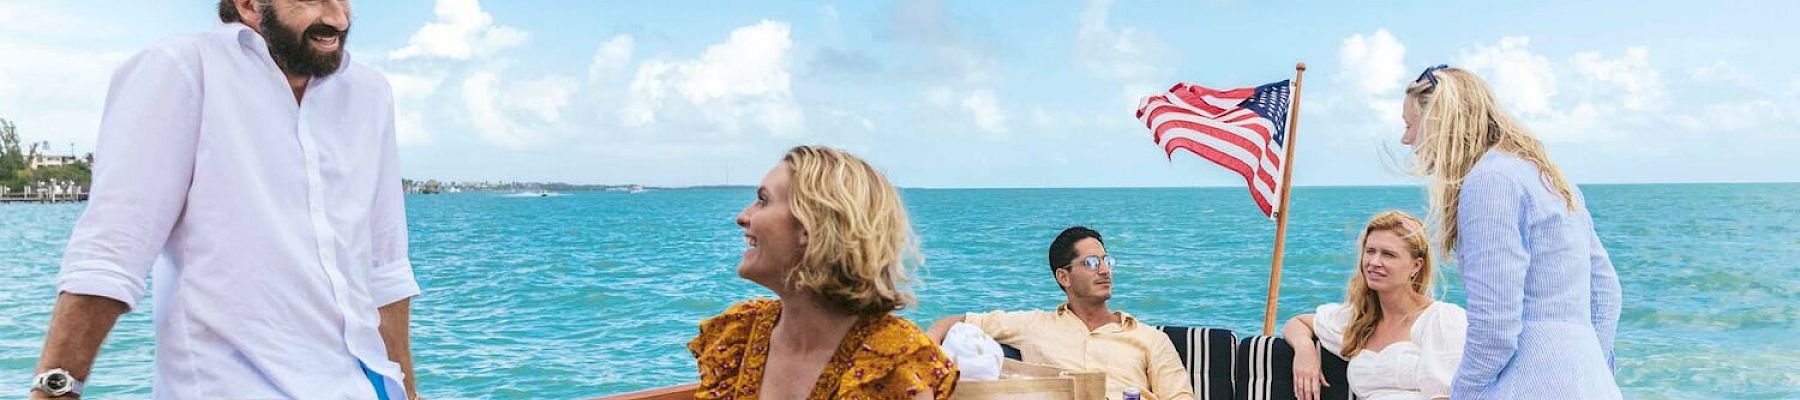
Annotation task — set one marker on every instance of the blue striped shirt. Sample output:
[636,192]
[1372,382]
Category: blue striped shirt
[1543,296]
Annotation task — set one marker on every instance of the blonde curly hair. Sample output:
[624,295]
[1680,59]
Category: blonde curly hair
[860,245]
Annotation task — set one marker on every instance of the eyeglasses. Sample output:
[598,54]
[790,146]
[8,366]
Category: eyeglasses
[1427,76]
[1093,262]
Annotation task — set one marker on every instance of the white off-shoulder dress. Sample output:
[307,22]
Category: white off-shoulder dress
[1417,369]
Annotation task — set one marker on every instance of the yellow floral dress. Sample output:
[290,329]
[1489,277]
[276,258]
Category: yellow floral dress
[882,357]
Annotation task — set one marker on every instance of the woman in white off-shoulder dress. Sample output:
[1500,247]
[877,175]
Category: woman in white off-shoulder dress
[1402,344]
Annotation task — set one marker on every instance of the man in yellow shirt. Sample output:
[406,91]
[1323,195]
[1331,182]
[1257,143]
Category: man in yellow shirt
[1082,334]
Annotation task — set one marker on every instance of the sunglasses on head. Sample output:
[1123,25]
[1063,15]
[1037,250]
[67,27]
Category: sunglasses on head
[1430,78]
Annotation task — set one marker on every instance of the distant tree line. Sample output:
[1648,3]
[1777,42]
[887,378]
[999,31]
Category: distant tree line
[16,171]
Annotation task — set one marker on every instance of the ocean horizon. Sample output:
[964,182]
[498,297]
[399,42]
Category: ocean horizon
[592,293]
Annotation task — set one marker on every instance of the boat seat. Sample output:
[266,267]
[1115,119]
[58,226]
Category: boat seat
[1254,368]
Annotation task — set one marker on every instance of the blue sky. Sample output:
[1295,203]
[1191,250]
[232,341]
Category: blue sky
[984,94]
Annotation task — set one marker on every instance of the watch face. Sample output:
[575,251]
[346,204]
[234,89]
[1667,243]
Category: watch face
[56,381]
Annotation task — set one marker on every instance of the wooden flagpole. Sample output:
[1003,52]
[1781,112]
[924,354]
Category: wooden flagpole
[1281,214]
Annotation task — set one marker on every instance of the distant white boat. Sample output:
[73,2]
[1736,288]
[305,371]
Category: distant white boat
[538,193]
[637,190]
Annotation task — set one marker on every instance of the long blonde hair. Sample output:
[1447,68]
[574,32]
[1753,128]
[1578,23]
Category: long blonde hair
[1462,121]
[859,242]
[1364,304]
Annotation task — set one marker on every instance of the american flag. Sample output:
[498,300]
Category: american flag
[1243,130]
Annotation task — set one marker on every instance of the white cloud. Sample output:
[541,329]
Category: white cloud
[1370,83]
[1722,72]
[1127,55]
[1608,99]
[928,36]
[1589,98]
[611,59]
[1374,66]
[411,94]
[960,72]
[1374,63]
[943,97]
[52,92]
[1577,122]
[61,90]
[1042,119]
[985,114]
[750,63]
[462,31]
[648,89]
[460,46]
[1640,86]
[745,78]
[1770,115]
[985,109]
[1743,118]
[515,116]
[1526,77]
[18,17]
[544,98]
[1601,103]
[962,65]
[842,119]
[479,94]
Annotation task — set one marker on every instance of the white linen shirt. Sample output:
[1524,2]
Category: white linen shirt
[280,225]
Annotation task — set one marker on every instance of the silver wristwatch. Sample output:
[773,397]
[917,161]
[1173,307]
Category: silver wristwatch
[57,383]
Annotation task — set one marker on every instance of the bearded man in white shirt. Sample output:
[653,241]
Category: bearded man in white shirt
[257,163]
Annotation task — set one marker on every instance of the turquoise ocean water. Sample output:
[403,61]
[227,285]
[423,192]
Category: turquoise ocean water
[597,292]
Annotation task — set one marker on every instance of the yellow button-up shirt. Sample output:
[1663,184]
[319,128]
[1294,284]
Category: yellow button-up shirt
[1130,353]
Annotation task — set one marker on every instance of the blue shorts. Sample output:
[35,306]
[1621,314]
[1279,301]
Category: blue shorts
[379,381]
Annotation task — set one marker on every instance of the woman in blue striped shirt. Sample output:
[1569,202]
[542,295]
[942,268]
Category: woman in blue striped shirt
[1543,296]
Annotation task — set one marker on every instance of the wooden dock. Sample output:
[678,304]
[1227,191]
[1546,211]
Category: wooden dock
[44,198]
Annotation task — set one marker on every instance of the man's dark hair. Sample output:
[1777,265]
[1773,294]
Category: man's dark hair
[228,12]
[1062,250]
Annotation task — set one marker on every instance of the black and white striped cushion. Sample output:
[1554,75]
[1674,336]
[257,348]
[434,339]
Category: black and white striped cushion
[1208,355]
[1265,371]
[1336,371]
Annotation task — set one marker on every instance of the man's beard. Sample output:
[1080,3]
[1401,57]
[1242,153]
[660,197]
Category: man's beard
[292,53]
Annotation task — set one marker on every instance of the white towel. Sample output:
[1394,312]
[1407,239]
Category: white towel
[977,355]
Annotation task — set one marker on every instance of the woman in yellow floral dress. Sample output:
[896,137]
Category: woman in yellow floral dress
[828,234]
